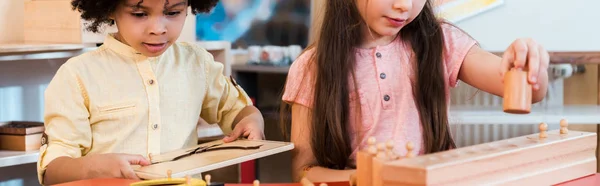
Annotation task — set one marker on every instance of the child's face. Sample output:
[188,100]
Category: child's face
[387,17]
[151,27]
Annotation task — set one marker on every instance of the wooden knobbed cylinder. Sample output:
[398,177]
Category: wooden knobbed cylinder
[517,92]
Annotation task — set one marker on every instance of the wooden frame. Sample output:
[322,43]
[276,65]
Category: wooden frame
[540,159]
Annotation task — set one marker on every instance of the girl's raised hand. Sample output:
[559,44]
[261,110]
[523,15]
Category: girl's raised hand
[526,54]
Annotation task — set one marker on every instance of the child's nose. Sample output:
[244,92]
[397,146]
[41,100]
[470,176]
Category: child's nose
[403,5]
[158,27]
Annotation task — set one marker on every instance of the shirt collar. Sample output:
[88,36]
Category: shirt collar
[117,46]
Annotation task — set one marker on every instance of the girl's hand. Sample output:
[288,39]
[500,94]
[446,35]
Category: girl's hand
[528,55]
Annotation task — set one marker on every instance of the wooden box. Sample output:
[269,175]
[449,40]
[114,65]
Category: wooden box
[54,21]
[21,136]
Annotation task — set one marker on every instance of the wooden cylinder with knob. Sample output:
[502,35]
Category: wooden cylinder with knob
[517,92]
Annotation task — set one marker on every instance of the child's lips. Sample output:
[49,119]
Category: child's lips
[155,47]
[396,22]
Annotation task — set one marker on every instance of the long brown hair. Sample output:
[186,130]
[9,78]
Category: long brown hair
[334,57]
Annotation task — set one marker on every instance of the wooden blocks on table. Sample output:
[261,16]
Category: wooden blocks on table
[517,92]
[21,136]
[535,159]
[56,22]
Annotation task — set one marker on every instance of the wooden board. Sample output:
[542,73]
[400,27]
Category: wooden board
[206,161]
[21,127]
[522,160]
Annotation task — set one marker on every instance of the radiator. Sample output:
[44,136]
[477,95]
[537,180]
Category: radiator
[472,134]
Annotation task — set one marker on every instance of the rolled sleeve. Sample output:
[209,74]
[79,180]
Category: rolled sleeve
[224,98]
[67,128]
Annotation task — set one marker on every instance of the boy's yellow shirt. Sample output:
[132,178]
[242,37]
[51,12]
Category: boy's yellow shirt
[115,100]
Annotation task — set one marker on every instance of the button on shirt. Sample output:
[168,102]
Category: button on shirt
[385,76]
[115,100]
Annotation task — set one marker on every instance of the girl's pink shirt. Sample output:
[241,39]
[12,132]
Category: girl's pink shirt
[384,79]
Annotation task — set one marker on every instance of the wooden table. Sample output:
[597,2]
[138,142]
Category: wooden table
[584,181]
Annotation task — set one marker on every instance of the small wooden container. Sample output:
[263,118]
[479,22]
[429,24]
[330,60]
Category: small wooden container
[517,92]
[21,136]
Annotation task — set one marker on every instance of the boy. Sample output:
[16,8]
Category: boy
[138,94]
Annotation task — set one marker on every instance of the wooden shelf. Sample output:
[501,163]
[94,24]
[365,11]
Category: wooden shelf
[261,69]
[19,52]
[10,158]
[37,47]
[575,114]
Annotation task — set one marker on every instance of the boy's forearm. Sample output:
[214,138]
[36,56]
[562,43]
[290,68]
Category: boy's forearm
[250,112]
[64,169]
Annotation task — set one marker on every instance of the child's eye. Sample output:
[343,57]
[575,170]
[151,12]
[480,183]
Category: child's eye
[173,13]
[138,14]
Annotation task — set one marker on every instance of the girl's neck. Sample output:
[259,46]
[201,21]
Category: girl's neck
[371,39]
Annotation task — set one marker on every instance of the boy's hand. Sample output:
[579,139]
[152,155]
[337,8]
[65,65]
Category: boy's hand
[251,127]
[526,54]
[113,165]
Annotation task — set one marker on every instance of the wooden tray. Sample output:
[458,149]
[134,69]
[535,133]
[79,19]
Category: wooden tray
[207,161]
[21,127]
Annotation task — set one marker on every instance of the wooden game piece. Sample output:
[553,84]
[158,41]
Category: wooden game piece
[188,180]
[389,150]
[515,161]
[306,182]
[371,141]
[409,149]
[517,92]
[564,126]
[256,183]
[381,151]
[207,179]
[543,127]
[169,172]
[352,181]
[323,184]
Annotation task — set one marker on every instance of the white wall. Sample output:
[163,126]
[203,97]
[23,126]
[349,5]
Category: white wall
[559,25]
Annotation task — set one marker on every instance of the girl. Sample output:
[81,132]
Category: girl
[138,94]
[383,68]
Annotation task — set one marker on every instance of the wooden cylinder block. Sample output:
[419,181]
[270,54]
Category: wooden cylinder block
[517,92]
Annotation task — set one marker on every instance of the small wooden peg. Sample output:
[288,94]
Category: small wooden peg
[256,183]
[409,149]
[371,141]
[207,179]
[381,150]
[169,173]
[352,180]
[306,182]
[188,180]
[323,184]
[389,147]
[543,127]
[564,126]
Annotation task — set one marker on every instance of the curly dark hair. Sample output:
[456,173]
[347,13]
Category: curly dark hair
[98,11]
